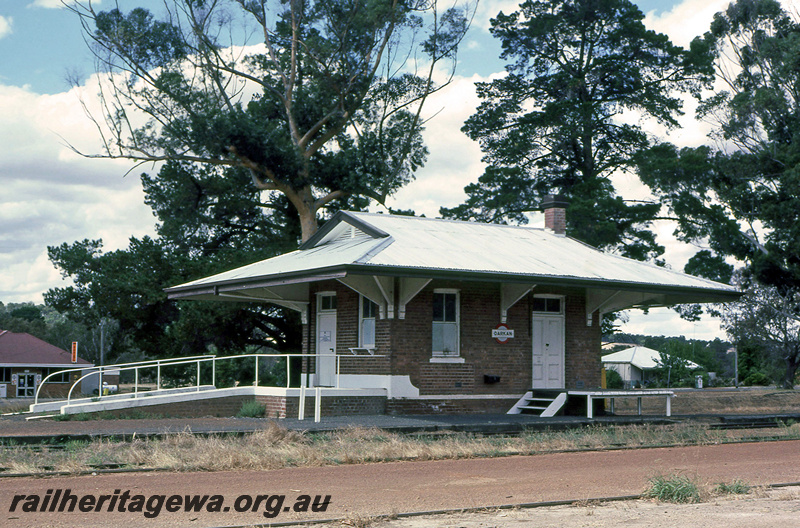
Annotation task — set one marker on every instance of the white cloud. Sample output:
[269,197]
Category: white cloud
[692,18]
[454,160]
[686,20]
[52,195]
[48,4]
[5,26]
[666,322]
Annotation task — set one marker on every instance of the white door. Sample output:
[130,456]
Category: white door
[548,352]
[326,349]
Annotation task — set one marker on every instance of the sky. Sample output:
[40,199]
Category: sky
[50,195]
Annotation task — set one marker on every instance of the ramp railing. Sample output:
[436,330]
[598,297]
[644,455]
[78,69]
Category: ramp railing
[199,361]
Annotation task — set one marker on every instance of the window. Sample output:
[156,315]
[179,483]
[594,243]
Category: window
[369,312]
[445,323]
[327,302]
[5,375]
[547,304]
[58,378]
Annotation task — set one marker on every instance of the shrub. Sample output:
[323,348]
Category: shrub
[614,380]
[673,488]
[756,378]
[737,487]
[252,409]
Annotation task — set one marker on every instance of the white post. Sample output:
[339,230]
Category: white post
[288,371]
[198,375]
[669,405]
[256,371]
[136,382]
[301,413]
[318,405]
[214,372]
[589,410]
[158,376]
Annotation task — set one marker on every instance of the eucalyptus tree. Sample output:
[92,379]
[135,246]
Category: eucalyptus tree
[740,195]
[319,100]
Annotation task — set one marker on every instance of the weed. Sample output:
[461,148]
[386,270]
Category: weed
[673,488]
[252,409]
[737,487]
[73,446]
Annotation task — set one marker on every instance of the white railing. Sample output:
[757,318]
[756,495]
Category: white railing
[98,371]
[158,364]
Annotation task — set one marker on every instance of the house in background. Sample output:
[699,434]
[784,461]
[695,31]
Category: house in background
[434,316]
[26,360]
[636,364]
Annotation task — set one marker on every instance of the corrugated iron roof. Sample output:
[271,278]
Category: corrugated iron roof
[413,246]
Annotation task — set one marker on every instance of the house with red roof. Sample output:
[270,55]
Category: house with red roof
[25,361]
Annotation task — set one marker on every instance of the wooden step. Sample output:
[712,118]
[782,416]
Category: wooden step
[532,408]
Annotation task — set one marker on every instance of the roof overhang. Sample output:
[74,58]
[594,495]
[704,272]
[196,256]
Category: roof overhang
[604,295]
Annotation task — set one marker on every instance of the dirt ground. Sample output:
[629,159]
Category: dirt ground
[775,508]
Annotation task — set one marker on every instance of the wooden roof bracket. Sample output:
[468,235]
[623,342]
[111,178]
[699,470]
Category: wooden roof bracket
[377,289]
[408,289]
[510,294]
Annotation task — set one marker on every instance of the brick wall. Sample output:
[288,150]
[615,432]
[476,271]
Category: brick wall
[582,343]
[449,406]
[338,406]
[408,342]
[511,362]
[276,407]
[229,406]
[347,333]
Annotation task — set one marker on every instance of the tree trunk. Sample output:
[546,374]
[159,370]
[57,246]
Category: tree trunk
[792,364]
[308,224]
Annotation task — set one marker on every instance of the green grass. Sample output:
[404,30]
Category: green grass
[737,487]
[252,409]
[673,488]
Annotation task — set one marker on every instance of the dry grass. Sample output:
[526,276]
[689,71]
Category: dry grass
[276,447]
[13,405]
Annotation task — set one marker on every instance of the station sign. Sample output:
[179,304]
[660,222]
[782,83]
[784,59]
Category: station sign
[502,333]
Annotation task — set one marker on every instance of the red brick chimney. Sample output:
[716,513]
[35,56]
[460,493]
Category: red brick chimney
[555,213]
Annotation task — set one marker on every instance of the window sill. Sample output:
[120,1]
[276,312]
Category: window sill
[442,359]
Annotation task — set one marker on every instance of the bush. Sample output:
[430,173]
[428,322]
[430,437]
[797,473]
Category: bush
[614,380]
[756,378]
[674,488]
[737,487]
[252,409]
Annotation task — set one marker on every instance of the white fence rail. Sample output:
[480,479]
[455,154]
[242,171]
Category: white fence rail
[199,361]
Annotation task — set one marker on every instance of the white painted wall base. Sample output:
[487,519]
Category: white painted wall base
[395,386]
